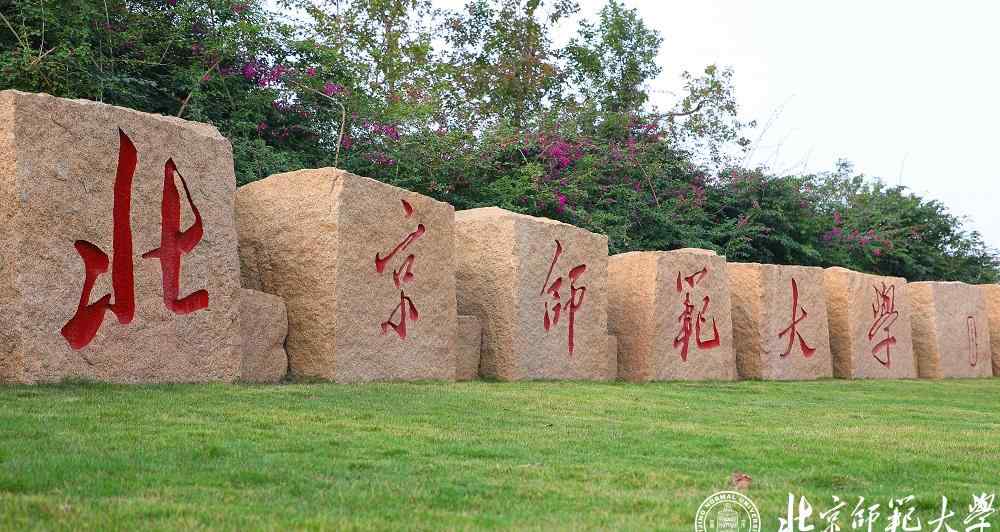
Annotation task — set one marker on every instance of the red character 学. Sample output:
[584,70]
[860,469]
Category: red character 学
[401,276]
[81,329]
[552,319]
[884,315]
[792,329]
[691,324]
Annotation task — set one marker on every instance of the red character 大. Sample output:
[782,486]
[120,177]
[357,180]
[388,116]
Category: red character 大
[81,329]
[884,314]
[551,319]
[792,329]
[401,276]
[691,324]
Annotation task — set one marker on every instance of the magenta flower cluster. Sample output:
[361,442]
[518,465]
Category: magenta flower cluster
[857,238]
[387,130]
[380,159]
[333,89]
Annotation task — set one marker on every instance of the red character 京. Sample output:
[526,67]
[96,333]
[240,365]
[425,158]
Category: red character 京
[400,276]
[884,315]
[691,324]
[552,319]
[81,329]
[792,329]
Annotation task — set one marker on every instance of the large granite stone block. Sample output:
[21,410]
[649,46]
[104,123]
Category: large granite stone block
[539,287]
[366,270]
[120,258]
[869,317]
[779,322]
[671,313]
[951,336]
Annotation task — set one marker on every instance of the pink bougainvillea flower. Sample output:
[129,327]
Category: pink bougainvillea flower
[560,203]
[273,76]
[311,72]
[332,89]
[239,8]
[249,71]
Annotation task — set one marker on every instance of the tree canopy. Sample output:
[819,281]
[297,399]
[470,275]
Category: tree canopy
[482,106]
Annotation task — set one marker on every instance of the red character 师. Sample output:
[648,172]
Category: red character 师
[553,290]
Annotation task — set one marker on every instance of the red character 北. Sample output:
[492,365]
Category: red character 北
[81,329]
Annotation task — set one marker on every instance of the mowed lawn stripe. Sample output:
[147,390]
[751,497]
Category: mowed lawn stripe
[540,455]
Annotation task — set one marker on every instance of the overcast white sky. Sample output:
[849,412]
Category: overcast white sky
[907,90]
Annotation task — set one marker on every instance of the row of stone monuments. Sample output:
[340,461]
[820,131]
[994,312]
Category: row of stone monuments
[132,257]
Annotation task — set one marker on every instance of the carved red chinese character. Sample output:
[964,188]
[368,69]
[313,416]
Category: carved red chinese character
[884,315]
[401,276]
[970,325]
[81,329]
[84,324]
[404,308]
[551,319]
[692,325]
[792,329]
[174,243]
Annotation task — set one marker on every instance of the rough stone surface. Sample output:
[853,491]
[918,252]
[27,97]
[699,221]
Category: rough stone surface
[869,321]
[317,238]
[59,163]
[951,336]
[612,356]
[468,347]
[666,328]
[991,292]
[264,325]
[767,346]
[507,276]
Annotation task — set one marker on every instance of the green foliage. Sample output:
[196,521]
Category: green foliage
[611,60]
[481,107]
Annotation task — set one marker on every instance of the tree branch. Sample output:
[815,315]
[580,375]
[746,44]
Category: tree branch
[24,44]
[200,81]
[697,108]
[343,117]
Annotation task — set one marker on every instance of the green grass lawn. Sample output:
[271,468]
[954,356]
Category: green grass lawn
[483,455]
